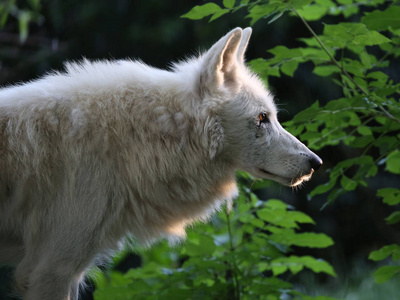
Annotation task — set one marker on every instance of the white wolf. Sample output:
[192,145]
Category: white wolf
[111,148]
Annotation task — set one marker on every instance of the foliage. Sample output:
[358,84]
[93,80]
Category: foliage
[240,256]
[29,13]
[356,55]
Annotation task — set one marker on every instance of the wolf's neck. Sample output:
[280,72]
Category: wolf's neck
[169,205]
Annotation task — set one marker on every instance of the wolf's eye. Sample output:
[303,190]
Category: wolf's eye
[263,118]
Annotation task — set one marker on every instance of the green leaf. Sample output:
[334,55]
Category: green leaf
[393,162]
[219,14]
[340,33]
[323,188]
[391,196]
[308,239]
[264,69]
[383,20]
[359,142]
[314,12]
[283,53]
[278,269]
[364,130]
[276,204]
[276,17]
[307,114]
[315,54]
[352,34]
[370,39]
[386,144]
[348,184]
[385,273]
[380,77]
[393,218]
[269,286]
[200,11]
[296,264]
[257,12]
[354,67]
[325,70]
[260,184]
[290,67]
[203,246]
[384,252]
[257,223]
[367,60]
[299,4]
[229,3]
[301,217]
[348,9]
[275,213]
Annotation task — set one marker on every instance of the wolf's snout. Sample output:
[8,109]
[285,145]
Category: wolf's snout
[315,162]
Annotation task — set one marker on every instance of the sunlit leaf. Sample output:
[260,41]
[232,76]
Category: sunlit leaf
[326,70]
[390,196]
[204,246]
[308,239]
[219,14]
[313,12]
[229,3]
[296,264]
[350,34]
[261,11]
[393,162]
[200,11]
[382,20]
[384,252]
[290,67]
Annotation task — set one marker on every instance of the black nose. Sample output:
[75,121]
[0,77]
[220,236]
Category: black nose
[315,162]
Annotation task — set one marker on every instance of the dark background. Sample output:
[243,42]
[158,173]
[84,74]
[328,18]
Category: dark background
[153,32]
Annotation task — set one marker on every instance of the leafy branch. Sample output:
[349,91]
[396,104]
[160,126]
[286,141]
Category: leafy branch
[336,63]
[333,60]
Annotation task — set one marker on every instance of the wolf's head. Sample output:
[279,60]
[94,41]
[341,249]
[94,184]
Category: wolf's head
[246,129]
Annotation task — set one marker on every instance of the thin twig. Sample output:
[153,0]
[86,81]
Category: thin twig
[333,60]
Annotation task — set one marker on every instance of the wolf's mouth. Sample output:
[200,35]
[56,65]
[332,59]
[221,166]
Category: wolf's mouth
[286,180]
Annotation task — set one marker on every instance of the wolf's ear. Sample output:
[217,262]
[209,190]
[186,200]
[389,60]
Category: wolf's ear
[220,63]
[243,44]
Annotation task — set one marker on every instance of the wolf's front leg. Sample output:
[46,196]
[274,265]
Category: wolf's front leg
[51,279]
[53,268]
[42,284]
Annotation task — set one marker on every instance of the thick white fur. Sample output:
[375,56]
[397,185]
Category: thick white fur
[115,147]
